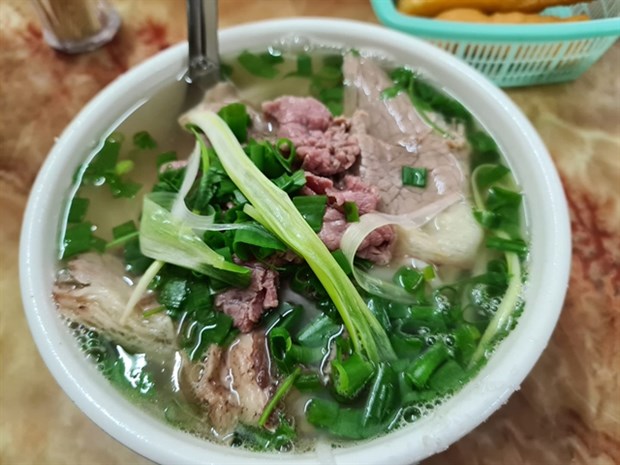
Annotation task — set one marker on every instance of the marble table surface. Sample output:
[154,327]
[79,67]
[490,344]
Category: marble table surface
[567,410]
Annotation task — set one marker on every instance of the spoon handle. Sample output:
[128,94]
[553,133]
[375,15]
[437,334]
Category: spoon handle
[204,58]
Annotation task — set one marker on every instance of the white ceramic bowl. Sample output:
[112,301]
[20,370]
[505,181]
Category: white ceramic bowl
[546,213]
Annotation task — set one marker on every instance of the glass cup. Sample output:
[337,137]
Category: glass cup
[76,26]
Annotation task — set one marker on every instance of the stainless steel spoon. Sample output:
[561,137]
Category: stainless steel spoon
[204,56]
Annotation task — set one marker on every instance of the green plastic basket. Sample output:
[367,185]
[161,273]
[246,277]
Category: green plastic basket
[519,55]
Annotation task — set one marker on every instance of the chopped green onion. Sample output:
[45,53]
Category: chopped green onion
[383,397]
[124,229]
[351,212]
[104,161]
[447,377]
[318,331]
[342,261]
[122,240]
[415,177]
[406,346]
[285,316]
[120,188]
[409,279]
[200,336]
[487,219]
[425,365]
[123,167]
[308,382]
[428,273]
[351,375]
[390,92]
[345,422]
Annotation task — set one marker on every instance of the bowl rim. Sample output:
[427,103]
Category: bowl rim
[159,442]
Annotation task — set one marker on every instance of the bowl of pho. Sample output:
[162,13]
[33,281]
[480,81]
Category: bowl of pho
[353,249]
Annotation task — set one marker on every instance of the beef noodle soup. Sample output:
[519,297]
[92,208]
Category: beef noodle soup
[325,247]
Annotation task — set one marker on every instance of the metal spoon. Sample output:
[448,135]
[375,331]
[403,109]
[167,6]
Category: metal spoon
[204,57]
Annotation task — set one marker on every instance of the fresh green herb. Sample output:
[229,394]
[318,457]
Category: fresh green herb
[78,209]
[291,183]
[304,66]
[351,375]
[312,209]
[165,238]
[236,116]
[517,246]
[144,141]
[280,439]
[79,238]
[255,243]
[282,391]
[122,234]
[262,65]
[165,158]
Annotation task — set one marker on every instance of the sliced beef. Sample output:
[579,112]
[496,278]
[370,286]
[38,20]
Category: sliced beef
[247,305]
[93,292]
[234,384]
[353,189]
[391,134]
[394,119]
[324,145]
[297,115]
[316,185]
[378,244]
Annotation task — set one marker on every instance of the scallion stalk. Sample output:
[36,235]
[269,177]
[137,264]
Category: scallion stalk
[273,208]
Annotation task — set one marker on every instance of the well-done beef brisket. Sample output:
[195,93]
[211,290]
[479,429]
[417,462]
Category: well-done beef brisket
[235,384]
[93,292]
[247,305]
[323,144]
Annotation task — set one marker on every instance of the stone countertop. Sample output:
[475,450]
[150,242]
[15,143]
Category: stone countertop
[567,410]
